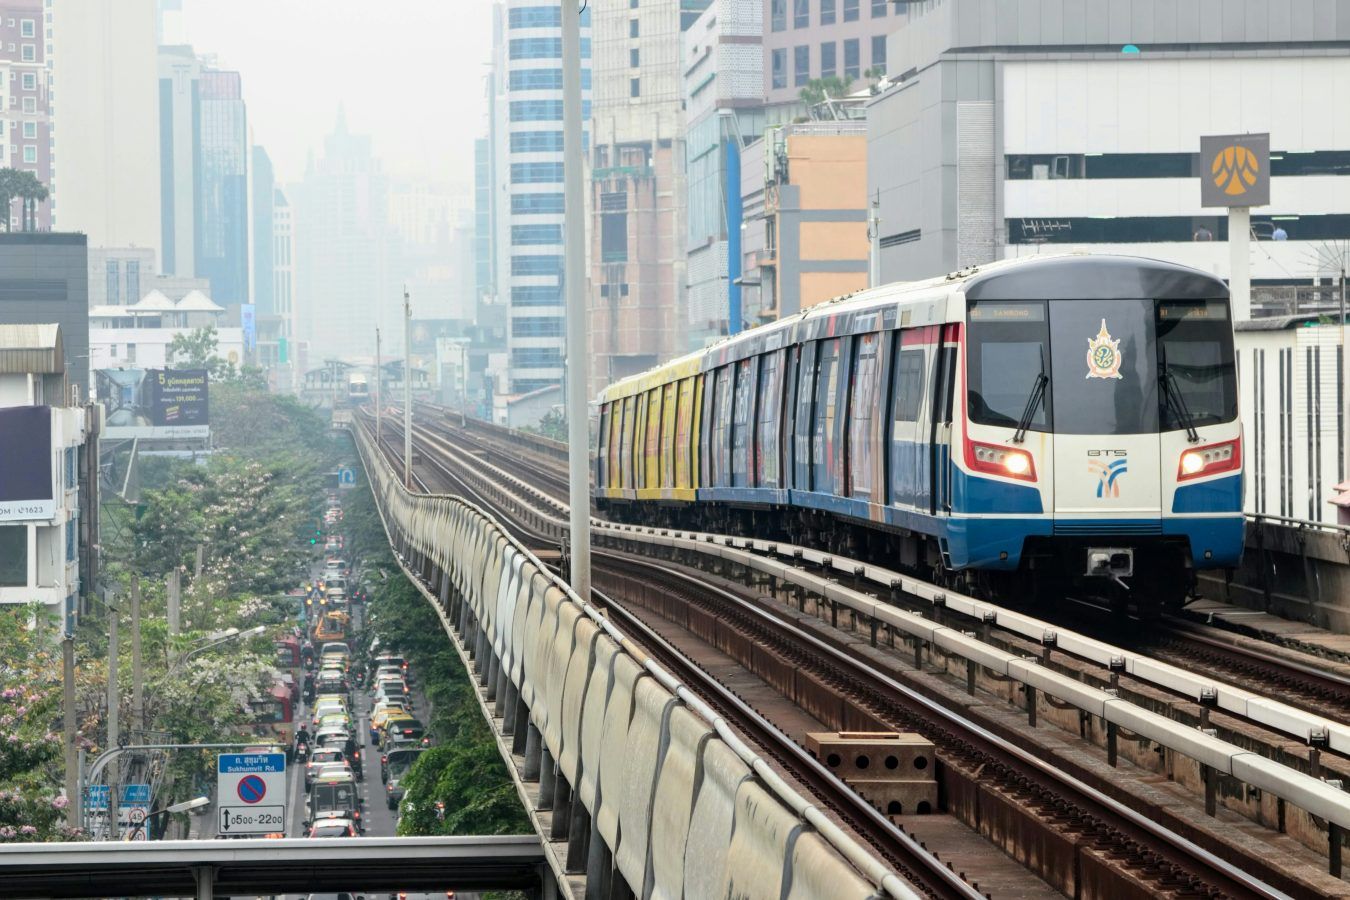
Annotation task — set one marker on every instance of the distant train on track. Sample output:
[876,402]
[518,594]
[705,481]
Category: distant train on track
[1040,425]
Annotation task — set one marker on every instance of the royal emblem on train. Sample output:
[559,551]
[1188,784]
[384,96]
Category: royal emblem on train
[1103,356]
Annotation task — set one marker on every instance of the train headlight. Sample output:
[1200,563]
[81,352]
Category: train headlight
[1009,462]
[1213,459]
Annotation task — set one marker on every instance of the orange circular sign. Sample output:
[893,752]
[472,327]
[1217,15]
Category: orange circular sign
[1235,170]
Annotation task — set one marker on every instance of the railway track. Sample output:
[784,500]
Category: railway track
[1289,676]
[1119,841]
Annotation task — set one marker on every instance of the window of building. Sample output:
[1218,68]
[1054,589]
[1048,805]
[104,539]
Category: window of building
[801,65]
[536,265]
[537,203]
[632,4]
[30,130]
[850,10]
[536,141]
[535,295]
[778,68]
[114,283]
[535,79]
[801,13]
[537,326]
[852,59]
[614,237]
[879,52]
[535,17]
[633,28]
[537,110]
[13,555]
[634,87]
[634,56]
[70,469]
[533,235]
[535,48]
[30,81]
[828,62]
[131,353]
[29,53]
[28,28]
[536,358]
[827,12]
[30,105]
[536,173]
[879,8]
[778,14]
[134,280]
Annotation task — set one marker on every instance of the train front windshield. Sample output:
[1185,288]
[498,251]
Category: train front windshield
[1103,366]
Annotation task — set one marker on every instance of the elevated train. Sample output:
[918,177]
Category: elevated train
[1033,426]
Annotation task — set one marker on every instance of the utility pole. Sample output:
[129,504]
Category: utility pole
[574,280]
[201,563]
[379,376]
[137,673]
[407,389]
[73,799]
[114,735]
[874,239]
[175,600]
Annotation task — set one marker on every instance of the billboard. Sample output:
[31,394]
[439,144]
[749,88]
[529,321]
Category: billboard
[26,484]
[154,403]
[249,322]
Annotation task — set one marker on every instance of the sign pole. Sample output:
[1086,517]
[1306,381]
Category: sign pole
[113,735]
[73,799]
[1240,262]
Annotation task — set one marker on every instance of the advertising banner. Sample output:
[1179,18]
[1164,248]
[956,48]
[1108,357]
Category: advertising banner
[154,403]
[27,491]
[1235,170]
[248,320]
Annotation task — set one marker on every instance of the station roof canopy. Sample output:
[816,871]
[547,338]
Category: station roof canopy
[32,349]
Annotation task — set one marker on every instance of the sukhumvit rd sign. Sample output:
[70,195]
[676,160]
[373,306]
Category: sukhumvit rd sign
[27,486]
[154,403]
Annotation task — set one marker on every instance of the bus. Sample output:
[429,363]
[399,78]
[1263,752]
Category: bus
[274,715]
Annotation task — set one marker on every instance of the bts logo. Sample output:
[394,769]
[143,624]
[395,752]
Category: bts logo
[1108,474]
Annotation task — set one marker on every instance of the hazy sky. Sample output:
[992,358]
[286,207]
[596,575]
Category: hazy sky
[409,71]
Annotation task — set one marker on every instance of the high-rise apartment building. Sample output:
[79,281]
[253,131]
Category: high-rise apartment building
[222,187]
[25,121]
[637,186]
[528,170]
[105,180]
[806,40]
[179,111]
[724,109]
[283,288]
[263,189]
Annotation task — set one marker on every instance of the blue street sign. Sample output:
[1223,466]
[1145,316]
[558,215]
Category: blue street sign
[96,797]
[346,477]
[248,763]
[136,795]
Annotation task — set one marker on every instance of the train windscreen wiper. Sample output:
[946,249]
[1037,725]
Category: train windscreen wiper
[1173,397]
[1033,401]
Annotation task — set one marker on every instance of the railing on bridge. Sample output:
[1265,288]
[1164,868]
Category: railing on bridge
[645,777]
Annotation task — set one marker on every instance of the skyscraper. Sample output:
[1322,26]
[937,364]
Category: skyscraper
[179,111]
[106,178]
[528,171]
[222,187]
[340,215]
[24,119]
[263,189]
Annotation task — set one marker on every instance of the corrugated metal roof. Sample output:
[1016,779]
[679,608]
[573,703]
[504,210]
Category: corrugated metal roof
[32,348]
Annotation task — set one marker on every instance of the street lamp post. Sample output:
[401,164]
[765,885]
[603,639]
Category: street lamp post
[185,806]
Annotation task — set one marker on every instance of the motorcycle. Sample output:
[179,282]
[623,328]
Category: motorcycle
[302,753]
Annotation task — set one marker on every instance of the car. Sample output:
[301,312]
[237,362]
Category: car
[334,720]
[382,715]
[403,731]
[335,794]
[400,759]
[327,707]
[333,827]
[390,670]
[336,648]
[332,682]
[398,741]
[320,758]
[392,684]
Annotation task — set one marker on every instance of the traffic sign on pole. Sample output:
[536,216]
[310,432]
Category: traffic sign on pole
[243,782]
[346,477]
[96,797]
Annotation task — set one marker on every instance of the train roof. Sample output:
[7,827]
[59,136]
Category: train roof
[1080,275]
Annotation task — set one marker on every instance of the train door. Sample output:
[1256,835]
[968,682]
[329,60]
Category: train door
[940,423]
[803,415]
[908,379]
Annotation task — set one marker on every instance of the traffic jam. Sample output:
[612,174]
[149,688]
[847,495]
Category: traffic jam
[351,725]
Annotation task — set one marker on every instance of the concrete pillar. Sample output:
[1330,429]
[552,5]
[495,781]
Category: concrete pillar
[508,704]
[599,865]
[520,723]
[503,688]
[560,828]
[1240,262]
[534,749]
[578,837]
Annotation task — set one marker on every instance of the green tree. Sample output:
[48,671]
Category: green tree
[32,192]
[11,186]
[818,89]
[194,350]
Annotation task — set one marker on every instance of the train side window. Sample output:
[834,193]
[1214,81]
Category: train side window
[743,422]
[626,444]
[806,396]
[668,413]
[909,385]
[653,443]
[640,443]
[602,458]
[767,472]
[683,417]
[865,402]
[824,449]
[706,398]
[726,377]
